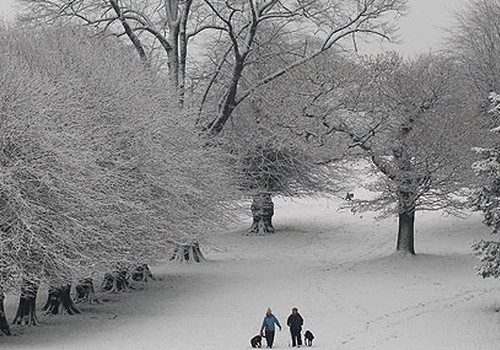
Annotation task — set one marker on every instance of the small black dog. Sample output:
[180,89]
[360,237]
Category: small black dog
[256,341]
[308,336]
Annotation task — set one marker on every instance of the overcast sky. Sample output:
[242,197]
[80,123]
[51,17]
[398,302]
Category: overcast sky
[421,30]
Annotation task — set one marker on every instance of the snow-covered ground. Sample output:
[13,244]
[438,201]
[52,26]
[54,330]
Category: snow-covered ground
[338,269]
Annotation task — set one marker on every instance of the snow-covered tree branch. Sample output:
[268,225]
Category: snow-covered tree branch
[98,171]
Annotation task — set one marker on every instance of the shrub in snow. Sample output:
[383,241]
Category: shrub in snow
[488,253]
[487,200]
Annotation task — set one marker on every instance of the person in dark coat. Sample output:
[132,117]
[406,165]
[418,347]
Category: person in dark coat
[295,322]
[268,325]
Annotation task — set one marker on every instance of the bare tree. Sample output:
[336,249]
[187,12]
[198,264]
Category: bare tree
[158,29]
[273,160]
[270,165]
[169,25]
[404,115]
[475,40]
[330,21]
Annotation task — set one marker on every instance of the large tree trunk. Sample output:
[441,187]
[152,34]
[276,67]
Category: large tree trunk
[406,233]
[229,101]
[262,212]
[26,311]
[4,324]
[59,300]
[406,230]
[188,253]
[85,291]
[115,282]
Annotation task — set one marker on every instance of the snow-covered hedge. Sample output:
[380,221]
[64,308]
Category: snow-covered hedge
[487,200]
[97,165]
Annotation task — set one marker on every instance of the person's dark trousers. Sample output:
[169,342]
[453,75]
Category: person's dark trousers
[269,338]
[296,338]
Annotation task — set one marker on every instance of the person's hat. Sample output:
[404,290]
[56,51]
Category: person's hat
[269,310]
[295,309]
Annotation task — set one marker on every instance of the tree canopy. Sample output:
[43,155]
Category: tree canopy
[98,167]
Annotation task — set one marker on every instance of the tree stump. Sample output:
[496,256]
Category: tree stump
[59,300]
[188,253]
[26,311]
[4,324]
[142,273]
[85,291]
[262,212]
[116,281]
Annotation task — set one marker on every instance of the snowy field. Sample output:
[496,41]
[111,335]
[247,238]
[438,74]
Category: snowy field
[338,269]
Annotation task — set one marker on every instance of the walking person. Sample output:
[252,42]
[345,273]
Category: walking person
[295,322]
[268,325]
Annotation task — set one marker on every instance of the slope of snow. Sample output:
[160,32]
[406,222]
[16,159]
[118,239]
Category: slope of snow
[338,269]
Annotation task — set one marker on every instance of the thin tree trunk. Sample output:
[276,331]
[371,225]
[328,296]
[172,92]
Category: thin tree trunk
[262,212]
[59,300]
[406,233]
[173,59]
[183,44]
[26,311]
[173,21]
[4,324]
[128,30]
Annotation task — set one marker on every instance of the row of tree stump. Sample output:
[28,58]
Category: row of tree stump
[59,299]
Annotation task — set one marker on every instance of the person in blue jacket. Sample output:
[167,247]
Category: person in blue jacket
[268,325]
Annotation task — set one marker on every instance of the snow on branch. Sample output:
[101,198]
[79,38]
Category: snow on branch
[97,168]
